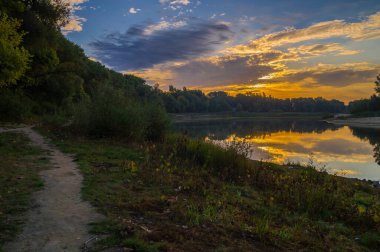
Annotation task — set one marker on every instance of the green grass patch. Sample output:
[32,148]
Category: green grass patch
[19,167]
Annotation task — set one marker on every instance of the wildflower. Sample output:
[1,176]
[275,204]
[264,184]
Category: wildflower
[132,166]
[361,209]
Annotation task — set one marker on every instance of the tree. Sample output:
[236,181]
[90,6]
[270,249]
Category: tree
[14,59]
[54,13]
[377,82]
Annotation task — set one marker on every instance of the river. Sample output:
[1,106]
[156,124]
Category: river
[345,151]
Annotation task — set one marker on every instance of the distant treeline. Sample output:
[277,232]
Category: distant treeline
[188,101]
[371,104]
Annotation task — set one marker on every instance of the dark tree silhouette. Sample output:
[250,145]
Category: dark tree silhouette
[186,100]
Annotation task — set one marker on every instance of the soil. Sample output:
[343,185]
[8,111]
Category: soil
[58,219]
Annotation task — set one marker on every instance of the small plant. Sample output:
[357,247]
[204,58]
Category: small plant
[262,227]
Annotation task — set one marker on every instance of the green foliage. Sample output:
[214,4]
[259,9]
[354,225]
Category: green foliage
[370,105]
[157,122]
[14,106]
[109,114]
[53,13]
[365,105]
[14,59]
[185,101]
[112,114]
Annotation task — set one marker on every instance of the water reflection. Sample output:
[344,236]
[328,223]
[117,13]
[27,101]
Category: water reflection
[372,136]
[352,152]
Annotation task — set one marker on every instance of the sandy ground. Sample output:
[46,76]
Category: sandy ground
[59,218]
[365,122]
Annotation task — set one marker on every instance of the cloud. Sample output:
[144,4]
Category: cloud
[284,64]
[138,49]
[247,72]
[263,60]
[321,49]
[133,10]
[341,147]
[163,25]
[364,30]
[75,2]
[175,2]
[330,75]
[75,23]
[225,70]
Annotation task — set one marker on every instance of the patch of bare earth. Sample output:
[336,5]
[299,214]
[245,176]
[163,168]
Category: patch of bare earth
[59,218]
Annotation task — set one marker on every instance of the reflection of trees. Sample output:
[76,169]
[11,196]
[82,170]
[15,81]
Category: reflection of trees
[376,153]
[372,136]
[220,130]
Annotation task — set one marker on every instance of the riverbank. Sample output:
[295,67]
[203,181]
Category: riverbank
[199,117]
[363,122]
[181,194]
[188,195]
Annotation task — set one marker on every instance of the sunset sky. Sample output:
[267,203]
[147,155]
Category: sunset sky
[284,48]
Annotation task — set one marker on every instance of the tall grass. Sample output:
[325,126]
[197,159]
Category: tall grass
[110,113]
[303,190]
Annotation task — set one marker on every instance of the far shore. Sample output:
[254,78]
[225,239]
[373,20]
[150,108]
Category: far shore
[363,122]
[199,117]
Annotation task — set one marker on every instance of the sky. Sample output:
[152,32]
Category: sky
[292,48]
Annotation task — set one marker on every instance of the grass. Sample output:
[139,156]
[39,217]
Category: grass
[188,195]
[19,167]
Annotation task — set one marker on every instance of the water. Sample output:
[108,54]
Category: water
[346,151]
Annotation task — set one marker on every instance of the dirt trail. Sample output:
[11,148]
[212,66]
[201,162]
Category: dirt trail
[59,218]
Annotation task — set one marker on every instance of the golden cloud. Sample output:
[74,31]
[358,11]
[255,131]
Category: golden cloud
[75,23]
[262,65]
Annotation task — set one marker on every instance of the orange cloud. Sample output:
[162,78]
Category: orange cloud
[263,64]
[75,23]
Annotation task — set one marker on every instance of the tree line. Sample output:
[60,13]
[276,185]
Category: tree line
[371,104]
[185,101]
[44,75]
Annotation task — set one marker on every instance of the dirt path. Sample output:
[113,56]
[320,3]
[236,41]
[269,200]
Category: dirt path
[59,219]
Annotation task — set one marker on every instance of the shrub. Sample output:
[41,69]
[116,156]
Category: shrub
[109,114]
[156,122]
[13,106]
[112,114]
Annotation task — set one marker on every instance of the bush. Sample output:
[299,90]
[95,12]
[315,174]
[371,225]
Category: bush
[112,114]
[156,122]
[13,106]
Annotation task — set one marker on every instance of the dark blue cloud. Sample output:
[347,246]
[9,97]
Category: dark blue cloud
[135,49]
